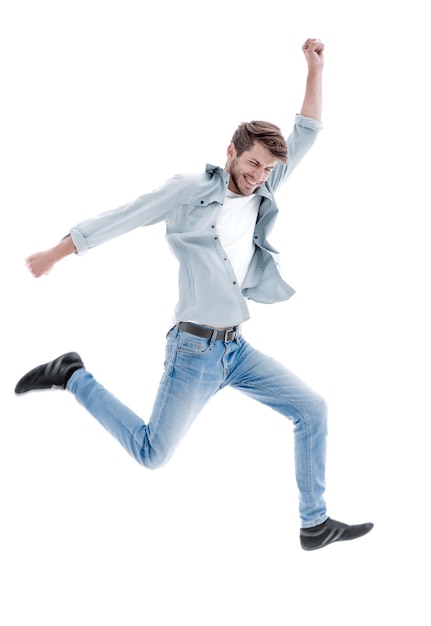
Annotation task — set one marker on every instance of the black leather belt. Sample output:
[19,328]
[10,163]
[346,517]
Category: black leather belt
[227,334]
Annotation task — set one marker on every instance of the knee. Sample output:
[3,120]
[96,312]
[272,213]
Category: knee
[152,459]
[313,416]
[322,408]
[319,414]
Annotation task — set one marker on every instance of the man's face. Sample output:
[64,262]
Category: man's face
[249,170]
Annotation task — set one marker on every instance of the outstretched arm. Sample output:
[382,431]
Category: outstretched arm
[42,262]
[312,104]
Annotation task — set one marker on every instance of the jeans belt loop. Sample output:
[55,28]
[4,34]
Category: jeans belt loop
[226,334]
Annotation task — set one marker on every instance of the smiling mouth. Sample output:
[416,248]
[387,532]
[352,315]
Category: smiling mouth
[250,182]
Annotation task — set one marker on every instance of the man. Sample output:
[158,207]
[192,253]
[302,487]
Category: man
[216,224]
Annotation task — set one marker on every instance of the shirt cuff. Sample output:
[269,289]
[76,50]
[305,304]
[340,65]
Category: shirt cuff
[79,241]
[308,122]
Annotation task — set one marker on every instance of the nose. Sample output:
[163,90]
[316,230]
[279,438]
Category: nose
[261,174]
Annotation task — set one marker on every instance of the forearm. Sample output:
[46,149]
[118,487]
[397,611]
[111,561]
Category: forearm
[312,104]
[64,248]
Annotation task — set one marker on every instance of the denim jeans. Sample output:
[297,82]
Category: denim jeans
[195,370]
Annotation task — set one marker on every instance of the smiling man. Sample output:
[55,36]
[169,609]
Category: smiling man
[217,223]
[250,162]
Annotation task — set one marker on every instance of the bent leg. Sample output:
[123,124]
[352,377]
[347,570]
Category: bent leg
[188,382]
[269,382]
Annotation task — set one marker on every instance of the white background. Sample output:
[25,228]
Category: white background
[103,101]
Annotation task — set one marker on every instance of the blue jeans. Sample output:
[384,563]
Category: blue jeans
[195,370]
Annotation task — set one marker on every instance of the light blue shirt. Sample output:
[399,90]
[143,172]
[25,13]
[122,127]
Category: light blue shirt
[189,204]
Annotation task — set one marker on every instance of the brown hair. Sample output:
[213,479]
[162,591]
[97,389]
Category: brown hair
[269,135]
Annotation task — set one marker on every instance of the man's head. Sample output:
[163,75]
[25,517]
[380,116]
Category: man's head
[254,151]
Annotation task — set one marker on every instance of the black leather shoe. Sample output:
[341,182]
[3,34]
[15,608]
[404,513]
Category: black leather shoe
[56,373]
[330,532]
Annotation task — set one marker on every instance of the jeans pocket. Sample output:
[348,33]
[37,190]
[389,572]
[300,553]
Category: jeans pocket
[191,345]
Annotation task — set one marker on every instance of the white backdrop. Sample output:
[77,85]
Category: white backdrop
[103,101]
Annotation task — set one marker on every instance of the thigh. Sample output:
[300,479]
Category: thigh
[268,381]
[191,377]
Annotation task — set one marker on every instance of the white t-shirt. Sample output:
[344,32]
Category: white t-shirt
[235,227]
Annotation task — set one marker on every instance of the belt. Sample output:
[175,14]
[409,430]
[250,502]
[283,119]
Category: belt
[227,334]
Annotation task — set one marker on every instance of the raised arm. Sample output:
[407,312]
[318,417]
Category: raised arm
[312,104]
[42,262]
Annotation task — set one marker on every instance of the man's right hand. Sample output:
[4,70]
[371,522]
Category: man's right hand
[42,263]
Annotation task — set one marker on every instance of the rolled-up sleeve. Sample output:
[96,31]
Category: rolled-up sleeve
[79,240]
[299,142]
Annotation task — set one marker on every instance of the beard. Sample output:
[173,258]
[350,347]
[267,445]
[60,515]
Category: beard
[234,177]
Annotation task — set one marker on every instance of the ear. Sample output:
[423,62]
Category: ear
[231,152]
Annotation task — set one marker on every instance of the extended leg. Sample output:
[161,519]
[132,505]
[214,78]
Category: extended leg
[264,379]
